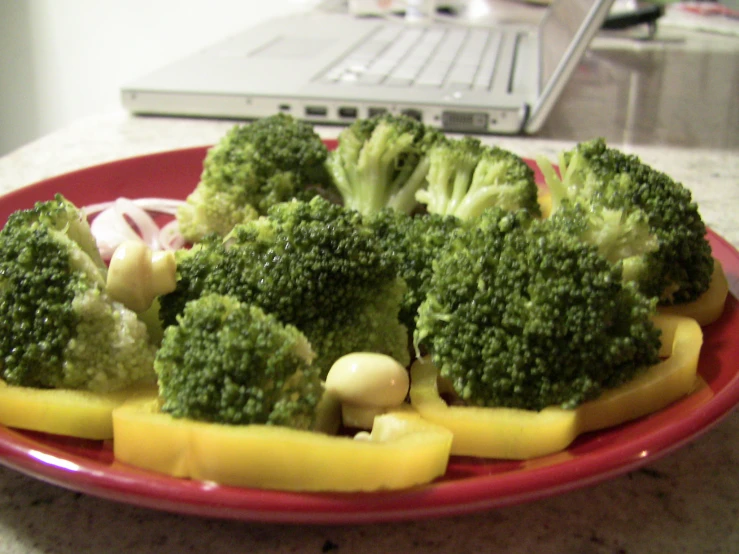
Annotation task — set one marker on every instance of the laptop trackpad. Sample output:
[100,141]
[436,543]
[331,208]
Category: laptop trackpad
[292,48]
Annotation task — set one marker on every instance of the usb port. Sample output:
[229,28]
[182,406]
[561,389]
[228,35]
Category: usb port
[316,111]
[348,112]
[372,112]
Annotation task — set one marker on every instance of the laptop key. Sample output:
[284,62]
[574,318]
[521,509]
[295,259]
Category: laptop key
[484,78]
[371,78]
[432,76]
[397,82]
[462,75]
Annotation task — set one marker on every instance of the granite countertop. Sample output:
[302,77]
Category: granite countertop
[687,501]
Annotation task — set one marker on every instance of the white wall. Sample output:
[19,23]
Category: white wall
[61,60]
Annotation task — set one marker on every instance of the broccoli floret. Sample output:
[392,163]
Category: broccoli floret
[253,167]
[314,265]
[193,267]
[622,237]
[466,176]
[521,314]
[59,328]
[381,162]
[636,214]
[229,362]
[415,240]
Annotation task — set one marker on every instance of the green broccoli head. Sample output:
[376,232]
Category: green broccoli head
[521,314]
[465,177]
[623,238]
[194,265]
[253,167]
[639,213]
[61,330]
[381,162]
[229,362]
[314,265]
[415,241]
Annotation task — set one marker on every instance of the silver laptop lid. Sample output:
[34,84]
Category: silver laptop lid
[565,34]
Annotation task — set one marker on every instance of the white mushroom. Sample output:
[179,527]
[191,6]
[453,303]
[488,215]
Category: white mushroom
[136,275]
[367,385]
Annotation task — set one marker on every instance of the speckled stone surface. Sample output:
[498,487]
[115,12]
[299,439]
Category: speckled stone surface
[687,501]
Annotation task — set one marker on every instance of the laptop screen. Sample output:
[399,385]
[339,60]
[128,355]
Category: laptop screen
[558,29]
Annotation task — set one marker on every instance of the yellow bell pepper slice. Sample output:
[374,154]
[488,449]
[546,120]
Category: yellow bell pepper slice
[709,307]
[510,433]
[73,413]
[545,203]
[402,451]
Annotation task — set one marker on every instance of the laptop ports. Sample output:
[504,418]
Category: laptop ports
[316,111]
[348,112]
[372,112]
[464,122]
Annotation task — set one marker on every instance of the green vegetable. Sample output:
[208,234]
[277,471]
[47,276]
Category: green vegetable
[521,314]
[229,362]
[314,265]
[465,177]
[381,162]
[59,328]
[414,241]
[253,167]
[636,216]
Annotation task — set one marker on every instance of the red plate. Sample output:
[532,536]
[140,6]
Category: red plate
[469,485]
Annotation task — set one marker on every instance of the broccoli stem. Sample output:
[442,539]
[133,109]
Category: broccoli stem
[405,197]
[378,159]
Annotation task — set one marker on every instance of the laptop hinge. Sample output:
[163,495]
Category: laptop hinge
[525,111]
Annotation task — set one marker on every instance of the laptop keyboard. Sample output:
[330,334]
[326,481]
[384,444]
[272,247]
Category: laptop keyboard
[398,55]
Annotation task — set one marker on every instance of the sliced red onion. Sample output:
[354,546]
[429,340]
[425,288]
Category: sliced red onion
[170,237]
[154,205]
[147,228]
[123,219]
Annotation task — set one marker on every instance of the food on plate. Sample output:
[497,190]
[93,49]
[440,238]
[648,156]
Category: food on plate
[545,202]
[124,219]
[709,306]
[286,313]
[366,385]
[240,403]
[137,276]
[414,242]
[513,433]
[59,327]
[381,162]
[313,265]
[636,216]
[466,176]
[521,314]
[253,167]
[403,450]
[73,413]
[228,362]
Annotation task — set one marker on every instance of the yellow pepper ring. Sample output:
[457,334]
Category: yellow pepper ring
[509,433]
[73,413]
[403,450]
[545,203]
[709,307]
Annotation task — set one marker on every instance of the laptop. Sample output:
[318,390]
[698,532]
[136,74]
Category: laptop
[334,68]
